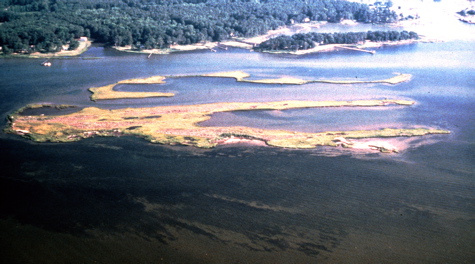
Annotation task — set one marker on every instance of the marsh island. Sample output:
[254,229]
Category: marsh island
[180,125]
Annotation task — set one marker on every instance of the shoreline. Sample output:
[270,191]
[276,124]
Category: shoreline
[242,43]
[179,125]
[358,47]
[83,47]
[250,43]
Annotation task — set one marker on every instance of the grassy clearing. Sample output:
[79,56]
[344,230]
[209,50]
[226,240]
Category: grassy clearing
[179,125]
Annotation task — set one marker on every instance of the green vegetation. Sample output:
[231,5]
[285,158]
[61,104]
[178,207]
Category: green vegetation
[179,125]
[29,26]
[313,39]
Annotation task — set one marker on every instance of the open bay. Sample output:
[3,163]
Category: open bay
[124,200]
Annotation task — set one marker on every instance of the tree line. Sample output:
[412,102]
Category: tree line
[312,39]
[46,25]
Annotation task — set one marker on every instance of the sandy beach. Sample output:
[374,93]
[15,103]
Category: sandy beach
[83,47]
[243,43]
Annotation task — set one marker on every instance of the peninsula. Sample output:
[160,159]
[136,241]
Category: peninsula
[180,125]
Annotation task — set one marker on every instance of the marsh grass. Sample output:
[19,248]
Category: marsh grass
[174,125]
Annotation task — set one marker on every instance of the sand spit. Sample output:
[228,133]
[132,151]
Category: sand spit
[107,92]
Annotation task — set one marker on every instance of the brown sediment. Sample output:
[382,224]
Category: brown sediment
[179,125]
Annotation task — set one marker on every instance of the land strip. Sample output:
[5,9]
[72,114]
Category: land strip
[180,125]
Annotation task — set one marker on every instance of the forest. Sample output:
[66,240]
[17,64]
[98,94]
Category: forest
[28,26]
[312,39]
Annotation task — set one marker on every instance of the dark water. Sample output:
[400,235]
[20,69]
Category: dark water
[124,200]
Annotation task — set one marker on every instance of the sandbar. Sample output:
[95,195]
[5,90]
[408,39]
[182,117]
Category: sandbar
[107,92]
[241,76]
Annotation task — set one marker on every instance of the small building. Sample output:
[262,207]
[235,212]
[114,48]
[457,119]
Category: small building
[83,39]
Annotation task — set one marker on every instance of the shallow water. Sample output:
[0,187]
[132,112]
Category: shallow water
[124,200]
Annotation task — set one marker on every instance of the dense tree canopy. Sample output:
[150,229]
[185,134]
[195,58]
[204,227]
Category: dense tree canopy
[310,40]
[46,25]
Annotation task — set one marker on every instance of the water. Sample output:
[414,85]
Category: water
[124,200]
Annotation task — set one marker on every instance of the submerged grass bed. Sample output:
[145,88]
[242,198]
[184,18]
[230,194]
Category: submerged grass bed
[179,125]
